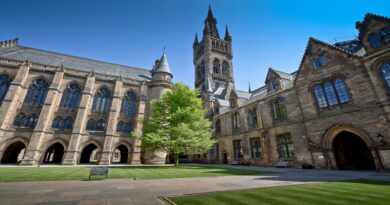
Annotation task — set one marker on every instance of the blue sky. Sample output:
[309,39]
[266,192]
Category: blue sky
[266,33]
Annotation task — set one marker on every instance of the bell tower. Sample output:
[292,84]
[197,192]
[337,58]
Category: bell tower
[212,58]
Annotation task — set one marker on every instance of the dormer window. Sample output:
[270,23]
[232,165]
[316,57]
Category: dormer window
[374,40]
[273,85]
[319,62]
[385,35]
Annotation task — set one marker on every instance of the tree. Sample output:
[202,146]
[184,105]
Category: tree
[178,124]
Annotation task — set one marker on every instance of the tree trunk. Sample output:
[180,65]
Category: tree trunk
[176,159]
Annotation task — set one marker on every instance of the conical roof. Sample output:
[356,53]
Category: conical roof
[163,65]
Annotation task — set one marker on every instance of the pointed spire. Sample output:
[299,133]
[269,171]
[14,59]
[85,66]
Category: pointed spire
[210,25]
[196,39]
[209,88]
[163,65]
[210,13]
[249,87]
[227,34]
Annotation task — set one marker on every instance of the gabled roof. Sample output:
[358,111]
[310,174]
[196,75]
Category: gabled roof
[280,74]
[362,26]
[243,94]
[22,53]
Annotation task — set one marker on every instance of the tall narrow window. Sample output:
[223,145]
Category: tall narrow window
[5,82]
[71,97]
[129,104]
[235,120]
[255,148]
[102,100]
[252,117]
[341,90]
[218,126]
[237,149]
[385,69]
[330,94]
[285,146]
[319,62]
[216,66]
[279,109]
[36,93]
[225,68]
[321,100]
[374,40]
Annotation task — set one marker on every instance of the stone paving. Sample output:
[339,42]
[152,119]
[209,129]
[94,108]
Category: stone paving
[130,192]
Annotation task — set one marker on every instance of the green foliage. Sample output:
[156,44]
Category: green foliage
[178,123]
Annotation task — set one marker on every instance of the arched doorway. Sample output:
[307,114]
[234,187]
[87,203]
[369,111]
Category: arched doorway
[89,154]
[14,153]
[54,154]
[120,155]
[351,152]
[224,157]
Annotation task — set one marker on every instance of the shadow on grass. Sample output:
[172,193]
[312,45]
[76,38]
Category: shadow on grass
[366,181]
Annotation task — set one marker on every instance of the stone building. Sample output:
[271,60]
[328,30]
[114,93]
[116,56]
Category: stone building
[57,108]
[333,112]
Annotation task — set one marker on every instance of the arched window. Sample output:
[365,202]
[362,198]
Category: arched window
[321,100]
[36,93]
[20,120]
[129,104]
[26,121]
[68,123]
[100,124]
[71,97]
[94,125]
[216,65]
[125,127]
[58,123]
[341,90]
[5,82]
[91,124]
[330,94]
[102,100]
[385,69]
[225,67]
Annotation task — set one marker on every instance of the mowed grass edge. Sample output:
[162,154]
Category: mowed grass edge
[354,192]
[14,174]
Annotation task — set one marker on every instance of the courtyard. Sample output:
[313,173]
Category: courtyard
[255,183]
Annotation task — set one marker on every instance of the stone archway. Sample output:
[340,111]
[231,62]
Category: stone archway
[54,154]
[346,147]
[14,153]
[351,152]
[120,155]
[89,154]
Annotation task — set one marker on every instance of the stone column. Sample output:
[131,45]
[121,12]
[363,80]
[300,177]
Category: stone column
[136,156]
[111,123]
[10,102]
[71,153]
[33,151]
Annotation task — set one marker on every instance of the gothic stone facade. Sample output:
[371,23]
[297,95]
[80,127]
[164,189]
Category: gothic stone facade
[332,113]
[57,108]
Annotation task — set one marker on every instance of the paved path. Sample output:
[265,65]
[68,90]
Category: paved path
[125,191]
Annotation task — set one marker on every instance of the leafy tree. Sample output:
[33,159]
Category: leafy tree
[178,124]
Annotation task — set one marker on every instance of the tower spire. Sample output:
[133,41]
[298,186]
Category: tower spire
[227,34]
[196,39]
[210,25]
[249,87]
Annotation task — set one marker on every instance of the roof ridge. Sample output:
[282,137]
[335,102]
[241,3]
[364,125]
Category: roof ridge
[333,46]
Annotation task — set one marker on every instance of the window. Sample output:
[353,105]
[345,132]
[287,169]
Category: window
[273,85]
[71,97]
[62,124]
[279,109]
[235,120]
[129,104]
[216,66]
[285,146]
[255,148]
[252,117]
[374,40]
[331,93]
[125,127]
[319,62]
[237,149]
[225,67]
[385,69]
[26,121]
[385,35]
[218,126]
[94,125]
[102,100]
[36,93]
[5,82]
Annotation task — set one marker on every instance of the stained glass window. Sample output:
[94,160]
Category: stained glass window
[129,104]
[102,100]
[71,97]
[36,93]
[5,82]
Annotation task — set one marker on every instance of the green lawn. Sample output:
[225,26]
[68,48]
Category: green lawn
[356,192]
[81,173]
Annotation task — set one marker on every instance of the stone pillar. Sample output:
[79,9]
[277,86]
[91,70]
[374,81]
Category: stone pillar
[71,153]
[139,123]
[111,123]
[10,102]
[33,151]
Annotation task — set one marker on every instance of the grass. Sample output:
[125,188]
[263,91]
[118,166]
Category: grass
[355,192]
[12,174]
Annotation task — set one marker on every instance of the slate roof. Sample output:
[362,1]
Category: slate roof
[22,53]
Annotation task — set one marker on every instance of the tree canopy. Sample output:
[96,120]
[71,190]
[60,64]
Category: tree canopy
[178,123]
